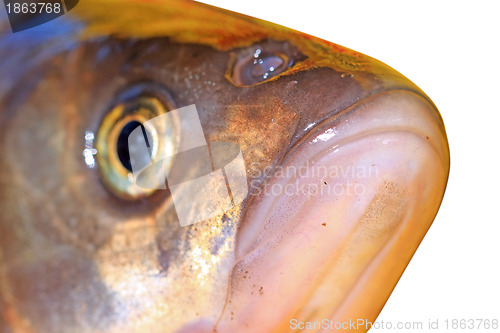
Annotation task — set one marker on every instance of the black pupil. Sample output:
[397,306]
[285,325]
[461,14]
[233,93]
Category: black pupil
[122,144]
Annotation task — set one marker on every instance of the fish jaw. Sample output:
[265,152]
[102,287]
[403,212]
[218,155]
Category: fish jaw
[330,233]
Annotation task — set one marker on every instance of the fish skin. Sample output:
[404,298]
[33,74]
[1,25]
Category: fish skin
[76,258]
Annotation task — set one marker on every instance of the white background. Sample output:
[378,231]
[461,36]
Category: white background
[450,49]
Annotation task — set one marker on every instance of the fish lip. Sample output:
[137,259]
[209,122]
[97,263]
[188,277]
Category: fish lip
[440,147]
[334,115]
[345,112]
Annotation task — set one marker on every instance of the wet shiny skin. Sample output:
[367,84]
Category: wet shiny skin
[75,257]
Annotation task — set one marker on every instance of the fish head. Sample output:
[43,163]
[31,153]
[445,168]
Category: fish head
[345,162]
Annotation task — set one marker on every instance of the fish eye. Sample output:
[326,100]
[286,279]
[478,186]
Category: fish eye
[114,148]
[259,63]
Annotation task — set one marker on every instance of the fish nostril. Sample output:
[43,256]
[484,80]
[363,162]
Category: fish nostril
[263,67]
[259,63]
[258,67]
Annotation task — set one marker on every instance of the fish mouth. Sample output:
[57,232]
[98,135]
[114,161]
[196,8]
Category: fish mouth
[328,235]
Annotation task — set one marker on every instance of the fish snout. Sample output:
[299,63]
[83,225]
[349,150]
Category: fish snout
[329,233]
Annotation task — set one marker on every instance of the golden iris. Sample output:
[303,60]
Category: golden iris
[113,146]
